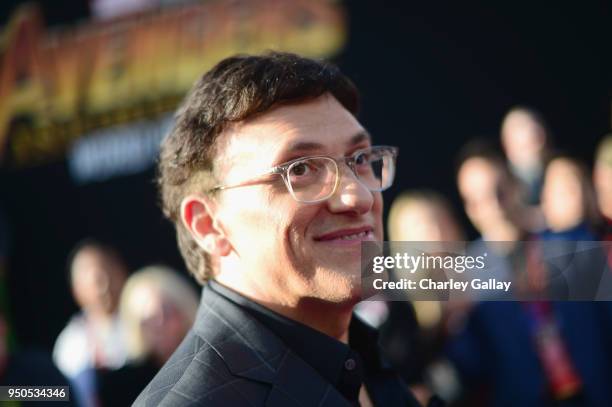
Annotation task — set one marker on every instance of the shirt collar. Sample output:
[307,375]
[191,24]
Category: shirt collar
[328,356]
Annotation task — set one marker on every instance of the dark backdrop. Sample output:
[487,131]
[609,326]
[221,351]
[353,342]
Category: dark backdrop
[431,79]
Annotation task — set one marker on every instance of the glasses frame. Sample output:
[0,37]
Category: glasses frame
[283,170]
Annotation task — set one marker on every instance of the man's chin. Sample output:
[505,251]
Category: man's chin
[341,285]
[345,299]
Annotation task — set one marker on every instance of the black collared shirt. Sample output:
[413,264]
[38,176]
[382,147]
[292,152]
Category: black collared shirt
[346,367]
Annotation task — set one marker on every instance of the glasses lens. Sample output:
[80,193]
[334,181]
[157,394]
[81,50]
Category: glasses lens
[375,168]
[313,179]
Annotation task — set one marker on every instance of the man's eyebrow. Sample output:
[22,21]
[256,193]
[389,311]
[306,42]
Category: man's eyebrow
[309,145]
[359,137]
[304,146]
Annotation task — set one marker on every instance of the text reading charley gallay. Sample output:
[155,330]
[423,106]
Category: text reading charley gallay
[423,262]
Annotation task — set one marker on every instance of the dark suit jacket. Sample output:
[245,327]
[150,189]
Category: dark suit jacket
[230,359]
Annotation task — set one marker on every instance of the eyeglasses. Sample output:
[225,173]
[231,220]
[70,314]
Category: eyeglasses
[316,178]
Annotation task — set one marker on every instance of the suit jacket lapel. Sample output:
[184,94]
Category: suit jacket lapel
[252,351]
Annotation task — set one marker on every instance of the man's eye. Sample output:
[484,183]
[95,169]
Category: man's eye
[299,170]
[362,158]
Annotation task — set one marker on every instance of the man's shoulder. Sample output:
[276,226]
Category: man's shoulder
[230,359]
[195,375]
[210,367]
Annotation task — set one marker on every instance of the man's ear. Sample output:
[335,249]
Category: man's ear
[197,215]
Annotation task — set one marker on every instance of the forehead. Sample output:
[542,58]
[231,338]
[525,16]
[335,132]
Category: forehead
[562,169]
[95,261]
[517,119]
[476,175]
[89,257]
[320,125]
[417,211]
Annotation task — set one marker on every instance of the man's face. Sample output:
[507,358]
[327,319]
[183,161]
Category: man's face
[283,249]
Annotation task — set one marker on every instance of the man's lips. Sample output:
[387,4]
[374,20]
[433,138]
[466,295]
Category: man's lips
[348,235]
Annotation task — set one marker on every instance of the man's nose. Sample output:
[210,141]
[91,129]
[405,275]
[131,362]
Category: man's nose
[351,195]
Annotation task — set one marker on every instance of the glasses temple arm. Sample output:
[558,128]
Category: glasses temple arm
[273,170]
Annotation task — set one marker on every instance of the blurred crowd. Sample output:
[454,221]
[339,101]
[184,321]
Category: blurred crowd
[487,353]
[127,326]
[520,191]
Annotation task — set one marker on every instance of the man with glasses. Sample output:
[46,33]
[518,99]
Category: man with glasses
[272,184]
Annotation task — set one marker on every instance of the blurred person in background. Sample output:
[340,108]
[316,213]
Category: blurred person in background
[568,201]
[490,193]
[423,216]
[602,179]
[519,353]
[576,262]
[157,307]
[526,142]
[413,334]
[493,203]
[94,337]
[525,139]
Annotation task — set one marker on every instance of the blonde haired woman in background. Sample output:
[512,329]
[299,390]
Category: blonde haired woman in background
[411,333]
[423,216]
[157,307]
